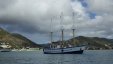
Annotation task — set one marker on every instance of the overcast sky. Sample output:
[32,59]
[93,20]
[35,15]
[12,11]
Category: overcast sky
[32,18]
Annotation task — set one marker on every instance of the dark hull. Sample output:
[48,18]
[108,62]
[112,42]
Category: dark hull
[73,52]
[5,51]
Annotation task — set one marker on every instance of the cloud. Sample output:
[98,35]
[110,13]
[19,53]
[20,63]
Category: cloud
[36,13]
[100,6]
[34,16]
[101,25]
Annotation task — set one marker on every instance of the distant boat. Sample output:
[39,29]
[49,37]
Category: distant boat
[5,50]
[64,50]
[5,47]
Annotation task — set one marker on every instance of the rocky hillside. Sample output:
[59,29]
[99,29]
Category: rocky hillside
[15,40]
[93,43]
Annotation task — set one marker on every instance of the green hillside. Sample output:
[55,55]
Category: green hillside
[15,40]
[93,43]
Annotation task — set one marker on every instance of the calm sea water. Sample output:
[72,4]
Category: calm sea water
[37,57]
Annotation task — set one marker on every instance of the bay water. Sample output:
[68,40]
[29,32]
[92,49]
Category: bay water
[37,57]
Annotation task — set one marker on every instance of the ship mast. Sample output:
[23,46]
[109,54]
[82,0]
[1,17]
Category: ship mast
[62,35]
[73,28]
[51,36]
[62,30]
[51,33]
[73,32]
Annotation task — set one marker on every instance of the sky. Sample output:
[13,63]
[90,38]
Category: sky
[32,18]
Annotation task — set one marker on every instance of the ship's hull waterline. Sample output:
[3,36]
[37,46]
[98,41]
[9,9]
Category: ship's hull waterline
[75,50]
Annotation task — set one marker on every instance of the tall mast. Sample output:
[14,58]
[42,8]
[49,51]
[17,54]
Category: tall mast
[73,33]
[51,33]
[62,30]
[51,36]
[62,35]
[73,27]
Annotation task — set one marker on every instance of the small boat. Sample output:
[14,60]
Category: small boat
[5,47]
[5,50]
[62,49]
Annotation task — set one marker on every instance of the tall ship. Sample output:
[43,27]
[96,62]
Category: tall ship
[60,49]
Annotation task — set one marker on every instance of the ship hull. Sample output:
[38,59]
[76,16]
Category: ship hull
[75,50]
[5,50]
[72,52]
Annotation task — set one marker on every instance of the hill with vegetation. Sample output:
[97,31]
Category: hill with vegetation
[91,43]
[15,40]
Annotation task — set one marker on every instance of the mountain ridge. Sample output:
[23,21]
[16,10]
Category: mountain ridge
[15,40]
[91,43]
[19,41]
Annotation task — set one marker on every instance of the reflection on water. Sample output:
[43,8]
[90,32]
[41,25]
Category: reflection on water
[37,57]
